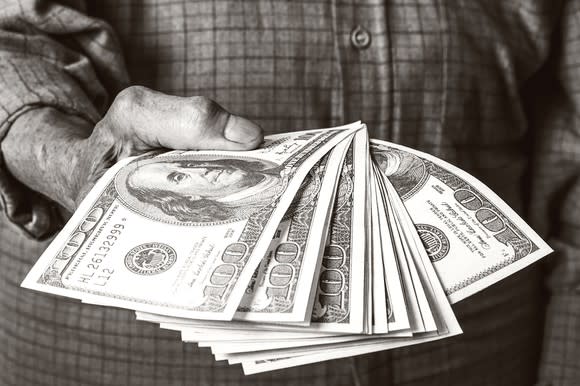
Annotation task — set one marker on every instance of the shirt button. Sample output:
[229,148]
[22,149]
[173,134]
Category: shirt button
[360,38]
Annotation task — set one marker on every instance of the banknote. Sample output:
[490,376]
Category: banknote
[439,315]
[343,308]
[325,352]
[180,233]
[281,289]
[397,313]
[205,337]
[334,348]
[339,300]
[408,261]
[382,310]
[395,259]
[472,237]
[242,351]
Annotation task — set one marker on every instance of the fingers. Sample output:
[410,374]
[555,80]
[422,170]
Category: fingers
[156,120]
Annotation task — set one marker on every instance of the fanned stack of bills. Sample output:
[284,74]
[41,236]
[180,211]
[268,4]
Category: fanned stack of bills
[319,245]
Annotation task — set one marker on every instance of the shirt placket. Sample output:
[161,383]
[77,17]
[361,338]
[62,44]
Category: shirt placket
[365,62]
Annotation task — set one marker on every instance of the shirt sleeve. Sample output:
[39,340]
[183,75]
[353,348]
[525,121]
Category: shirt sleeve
[51,55]
[555,196]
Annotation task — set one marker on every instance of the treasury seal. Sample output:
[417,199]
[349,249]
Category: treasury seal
[150,259]
[434,240]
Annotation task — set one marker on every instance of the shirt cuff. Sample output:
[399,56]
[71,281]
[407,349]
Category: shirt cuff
[38,217]
[24,86]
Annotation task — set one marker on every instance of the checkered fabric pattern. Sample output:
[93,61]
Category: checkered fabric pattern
[492,86]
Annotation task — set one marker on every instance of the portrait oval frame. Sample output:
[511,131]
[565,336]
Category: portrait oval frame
[158,212]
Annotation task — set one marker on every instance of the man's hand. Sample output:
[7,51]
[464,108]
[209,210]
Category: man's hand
[52,152]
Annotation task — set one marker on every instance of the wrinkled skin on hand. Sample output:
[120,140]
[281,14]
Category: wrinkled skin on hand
[62,157]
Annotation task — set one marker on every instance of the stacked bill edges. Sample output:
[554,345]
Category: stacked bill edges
[319,245]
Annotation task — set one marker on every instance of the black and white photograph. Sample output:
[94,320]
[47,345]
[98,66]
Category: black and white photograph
[289,193]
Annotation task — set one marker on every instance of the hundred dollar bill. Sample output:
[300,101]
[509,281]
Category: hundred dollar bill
[282,287]
[396,261]
[239,352]
[397,317]
[180,233]
[407,261]
[334,347]
[206,336]
[382,311]
[438,314]
[472,237]
[268,356]
[442,323]
[339,301]
[305,355]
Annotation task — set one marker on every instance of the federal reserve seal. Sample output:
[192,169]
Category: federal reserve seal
[150,259]
[434,240]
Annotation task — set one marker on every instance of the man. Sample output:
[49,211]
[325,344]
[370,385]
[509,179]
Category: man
[490,86]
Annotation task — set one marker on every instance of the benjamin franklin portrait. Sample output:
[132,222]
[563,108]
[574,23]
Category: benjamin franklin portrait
[196,189]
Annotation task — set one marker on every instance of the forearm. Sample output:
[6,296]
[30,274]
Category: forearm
[51,55]
[51,153]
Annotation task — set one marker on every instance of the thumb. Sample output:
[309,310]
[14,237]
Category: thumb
[242,132]
[181,123]
[210,126]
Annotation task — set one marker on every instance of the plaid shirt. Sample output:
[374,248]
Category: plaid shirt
[491,86]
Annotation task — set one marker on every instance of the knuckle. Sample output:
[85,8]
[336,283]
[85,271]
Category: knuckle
[128,104]
[129,97]
[207,112]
